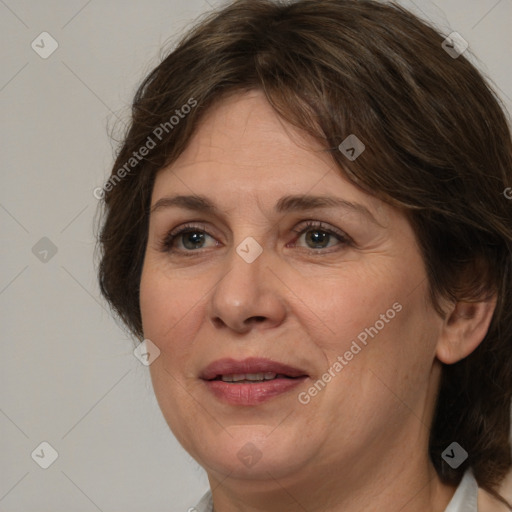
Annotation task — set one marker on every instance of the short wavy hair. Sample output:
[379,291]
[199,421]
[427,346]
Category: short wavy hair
[438,146]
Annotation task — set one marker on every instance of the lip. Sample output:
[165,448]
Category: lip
[229,366]
[254,393]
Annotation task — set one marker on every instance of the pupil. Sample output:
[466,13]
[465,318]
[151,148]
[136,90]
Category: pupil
[194,237]
[317,240]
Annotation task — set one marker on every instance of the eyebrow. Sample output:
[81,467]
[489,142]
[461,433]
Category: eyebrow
[290,203]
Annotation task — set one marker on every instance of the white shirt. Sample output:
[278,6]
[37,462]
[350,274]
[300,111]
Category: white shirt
[464,499]
[466,495]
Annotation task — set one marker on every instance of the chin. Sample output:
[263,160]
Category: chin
[251,453]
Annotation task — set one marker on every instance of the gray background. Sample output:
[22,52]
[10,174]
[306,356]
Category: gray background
[67,372]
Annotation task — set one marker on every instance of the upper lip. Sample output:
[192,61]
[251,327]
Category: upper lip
[228,366]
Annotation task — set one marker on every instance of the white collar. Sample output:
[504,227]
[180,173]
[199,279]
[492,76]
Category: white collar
[205,505]
[464,499]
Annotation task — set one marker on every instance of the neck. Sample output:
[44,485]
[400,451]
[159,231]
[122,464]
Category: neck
[412,486]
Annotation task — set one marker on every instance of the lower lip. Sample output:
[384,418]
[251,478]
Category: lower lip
[251,394]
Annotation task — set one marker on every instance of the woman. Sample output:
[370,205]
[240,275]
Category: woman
[306,224]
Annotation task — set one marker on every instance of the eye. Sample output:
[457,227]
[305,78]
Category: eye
[320,235]
[191,236]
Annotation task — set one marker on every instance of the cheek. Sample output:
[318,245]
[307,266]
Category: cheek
[397,353]
[380,366]
[353,301]
[379,319]
[167,309]
[164,303]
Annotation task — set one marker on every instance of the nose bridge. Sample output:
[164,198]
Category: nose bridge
[246,291]
[245,278]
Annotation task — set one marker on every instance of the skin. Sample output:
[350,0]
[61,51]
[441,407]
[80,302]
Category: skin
[362,442]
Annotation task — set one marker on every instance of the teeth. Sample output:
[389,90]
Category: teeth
[248,377]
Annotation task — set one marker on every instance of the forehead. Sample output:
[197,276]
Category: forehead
[244,131]
[242,151]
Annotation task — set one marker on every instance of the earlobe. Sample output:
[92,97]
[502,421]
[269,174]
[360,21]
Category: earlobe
[464,329]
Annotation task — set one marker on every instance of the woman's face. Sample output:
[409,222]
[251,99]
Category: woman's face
[331,296]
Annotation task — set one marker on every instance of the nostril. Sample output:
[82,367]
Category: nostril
[217,322]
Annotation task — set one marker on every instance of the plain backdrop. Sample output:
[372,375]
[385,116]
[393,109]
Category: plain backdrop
[68,376]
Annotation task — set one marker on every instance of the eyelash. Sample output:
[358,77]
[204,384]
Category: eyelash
[168,240]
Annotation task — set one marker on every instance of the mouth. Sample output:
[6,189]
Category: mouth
[244,378]
[250,381]
[252,369]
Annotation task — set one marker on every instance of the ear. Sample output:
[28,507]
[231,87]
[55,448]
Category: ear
[464,328]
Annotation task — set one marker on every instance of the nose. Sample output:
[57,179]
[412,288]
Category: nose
[248,295]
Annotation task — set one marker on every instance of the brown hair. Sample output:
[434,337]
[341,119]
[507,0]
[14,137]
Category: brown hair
[437,146]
